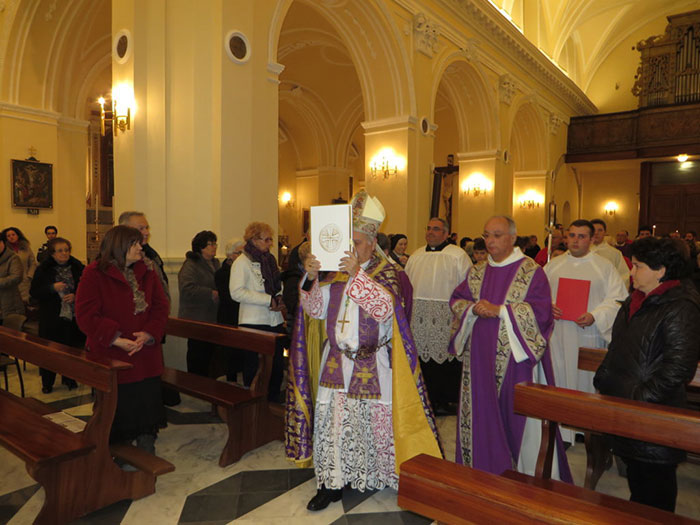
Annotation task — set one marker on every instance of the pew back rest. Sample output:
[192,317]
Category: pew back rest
[591,358]
[668,426]
[84,367]
[242,338]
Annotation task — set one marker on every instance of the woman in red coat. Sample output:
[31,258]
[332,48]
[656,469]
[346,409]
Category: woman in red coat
[122,309]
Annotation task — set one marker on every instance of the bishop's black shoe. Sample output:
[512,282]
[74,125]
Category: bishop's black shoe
[324,497]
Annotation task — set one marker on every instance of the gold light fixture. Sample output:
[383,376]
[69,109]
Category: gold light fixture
[476,184]
[120,113]
[385,164]
[682,157]
[286,199]
[531,199]
[611,208]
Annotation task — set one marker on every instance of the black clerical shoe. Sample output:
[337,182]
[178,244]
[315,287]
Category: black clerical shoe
[323,498]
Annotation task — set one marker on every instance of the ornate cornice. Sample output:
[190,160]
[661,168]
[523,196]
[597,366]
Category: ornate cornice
[485,20]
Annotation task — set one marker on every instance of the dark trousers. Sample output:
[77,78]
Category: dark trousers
[250,362]
[442,381]
[652,484]
[199,354]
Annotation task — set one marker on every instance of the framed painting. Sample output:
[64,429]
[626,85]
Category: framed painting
[32,184]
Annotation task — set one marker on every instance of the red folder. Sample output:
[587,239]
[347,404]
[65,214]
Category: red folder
[572,297]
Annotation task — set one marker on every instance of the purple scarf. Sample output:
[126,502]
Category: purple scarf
[268,268]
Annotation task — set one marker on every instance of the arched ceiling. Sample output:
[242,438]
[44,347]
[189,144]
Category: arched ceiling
[593,38]
[320,95]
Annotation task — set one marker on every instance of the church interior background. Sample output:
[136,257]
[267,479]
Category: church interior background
[243,110]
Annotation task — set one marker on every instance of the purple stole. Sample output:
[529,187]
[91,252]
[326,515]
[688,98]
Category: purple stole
[364,382]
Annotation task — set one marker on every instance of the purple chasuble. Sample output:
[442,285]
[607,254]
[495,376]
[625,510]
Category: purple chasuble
[489,433]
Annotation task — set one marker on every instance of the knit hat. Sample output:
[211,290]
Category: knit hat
[367,213]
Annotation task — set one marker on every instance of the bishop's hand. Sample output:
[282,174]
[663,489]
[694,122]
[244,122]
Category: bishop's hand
[312,266]
[349,264]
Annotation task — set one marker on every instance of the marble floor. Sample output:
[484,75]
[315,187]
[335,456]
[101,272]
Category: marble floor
[262,488]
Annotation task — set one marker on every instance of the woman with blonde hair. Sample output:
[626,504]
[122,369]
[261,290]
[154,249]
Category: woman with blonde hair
[256,284]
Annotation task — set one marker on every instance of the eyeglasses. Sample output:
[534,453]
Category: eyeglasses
[266,239]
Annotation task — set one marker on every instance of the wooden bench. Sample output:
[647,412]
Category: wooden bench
[76,470]
[598,453]
[663,425]
[457,494]
[251,420]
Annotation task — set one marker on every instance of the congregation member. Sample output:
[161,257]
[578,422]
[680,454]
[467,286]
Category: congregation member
[18,243]
[199,298]
[653,355]
[138,220]
[435,270]
[644,231]
[227,312]
[502,323]
[51,232]
[53,287]
[121,307]
[592,275]
[480,253]
[10,278]
[533,248]
[602,248]
[399,243]
[556,240]
[623,243]
[369,373]
[256,284]
[290,281]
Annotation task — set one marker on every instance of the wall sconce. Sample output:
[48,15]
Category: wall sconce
[385,163]
[682,157]
[286,199]
[611,208]
[531,199]
[476,184]
[120,114]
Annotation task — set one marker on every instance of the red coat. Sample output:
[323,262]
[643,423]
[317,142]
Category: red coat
[104,308]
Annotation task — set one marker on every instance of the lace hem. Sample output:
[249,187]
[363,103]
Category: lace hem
[348,450]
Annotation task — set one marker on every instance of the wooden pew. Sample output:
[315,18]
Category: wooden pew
[598,453]
[457,494]
[76,470]
[251,420]
[668,426]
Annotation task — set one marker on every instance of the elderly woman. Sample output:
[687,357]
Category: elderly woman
[256,284]
[53,287]
[18,243]
[652,356]
[199,298]
[121,307]
[399,242]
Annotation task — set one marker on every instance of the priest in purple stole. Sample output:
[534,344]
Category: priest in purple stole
[370,411]
[502,323]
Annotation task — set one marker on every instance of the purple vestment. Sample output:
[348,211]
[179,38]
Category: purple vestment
[489,433]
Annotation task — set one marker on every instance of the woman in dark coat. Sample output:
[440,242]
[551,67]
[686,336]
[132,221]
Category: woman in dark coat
[228,308]
[53,287]
[199,298]
[122,308]
[652,356]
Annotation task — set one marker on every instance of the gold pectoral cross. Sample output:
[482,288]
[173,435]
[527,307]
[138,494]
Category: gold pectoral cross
[344,320]
[365,375]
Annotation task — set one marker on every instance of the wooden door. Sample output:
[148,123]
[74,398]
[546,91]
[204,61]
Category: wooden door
[667,205]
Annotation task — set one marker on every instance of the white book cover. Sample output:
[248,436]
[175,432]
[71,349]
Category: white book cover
[331,234]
